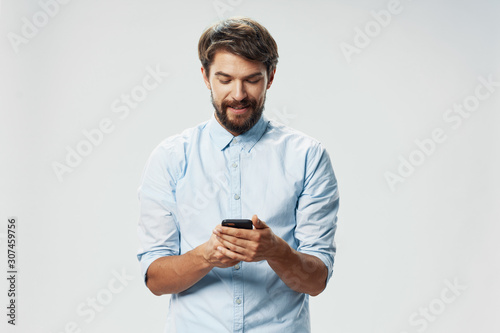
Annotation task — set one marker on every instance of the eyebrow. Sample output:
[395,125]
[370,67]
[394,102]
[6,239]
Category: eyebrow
[219,73]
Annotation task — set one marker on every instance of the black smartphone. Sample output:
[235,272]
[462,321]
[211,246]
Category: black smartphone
[238,223]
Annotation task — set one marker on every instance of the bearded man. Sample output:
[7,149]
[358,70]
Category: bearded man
[239,164]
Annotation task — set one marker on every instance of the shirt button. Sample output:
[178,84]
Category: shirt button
[237,266]
[234,165]
[236,197]
[238,301]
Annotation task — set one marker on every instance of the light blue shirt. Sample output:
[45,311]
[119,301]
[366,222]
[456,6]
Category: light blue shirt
[196,179]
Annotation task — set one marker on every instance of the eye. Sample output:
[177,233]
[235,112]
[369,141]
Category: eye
[253,81]
[224,82]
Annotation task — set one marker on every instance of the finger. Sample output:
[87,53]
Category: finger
[235,232]
[231,246]
[258,224]
[242,242]
[225,260]
[230,254]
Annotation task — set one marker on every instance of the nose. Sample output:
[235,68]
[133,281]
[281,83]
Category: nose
[239,92]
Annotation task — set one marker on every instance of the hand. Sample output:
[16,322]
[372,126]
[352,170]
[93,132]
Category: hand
[214,257]
[253,245]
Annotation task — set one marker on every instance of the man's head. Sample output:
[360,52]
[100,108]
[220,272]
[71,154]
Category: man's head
[239,59]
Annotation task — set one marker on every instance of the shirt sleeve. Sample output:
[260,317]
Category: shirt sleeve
[158,229]
[316,213]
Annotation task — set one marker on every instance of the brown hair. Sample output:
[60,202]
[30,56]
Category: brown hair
[242,36]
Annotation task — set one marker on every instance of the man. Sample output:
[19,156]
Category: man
[238,165]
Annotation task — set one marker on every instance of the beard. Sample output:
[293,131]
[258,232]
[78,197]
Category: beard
[241,122]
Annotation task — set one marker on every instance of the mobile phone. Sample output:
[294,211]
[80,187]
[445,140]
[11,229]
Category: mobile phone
[238,223]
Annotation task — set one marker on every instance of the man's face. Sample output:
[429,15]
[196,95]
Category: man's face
[238,88]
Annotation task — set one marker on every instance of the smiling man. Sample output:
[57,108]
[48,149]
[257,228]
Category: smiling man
[238,165]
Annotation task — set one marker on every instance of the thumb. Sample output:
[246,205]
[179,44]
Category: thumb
[258,224]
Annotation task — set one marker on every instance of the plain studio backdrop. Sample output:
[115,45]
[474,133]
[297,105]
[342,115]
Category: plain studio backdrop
[403,94]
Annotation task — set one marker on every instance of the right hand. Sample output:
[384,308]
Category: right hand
[214,257]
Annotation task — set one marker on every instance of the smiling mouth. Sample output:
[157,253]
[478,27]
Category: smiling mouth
[238,109]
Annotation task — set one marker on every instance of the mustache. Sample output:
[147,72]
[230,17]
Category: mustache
[241,104]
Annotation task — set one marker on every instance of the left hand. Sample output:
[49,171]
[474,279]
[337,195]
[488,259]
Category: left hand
[253,245]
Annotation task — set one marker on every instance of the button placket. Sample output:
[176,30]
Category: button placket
[235,149]
[234,170]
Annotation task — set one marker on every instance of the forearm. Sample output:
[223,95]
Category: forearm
[174,274]
[301,272]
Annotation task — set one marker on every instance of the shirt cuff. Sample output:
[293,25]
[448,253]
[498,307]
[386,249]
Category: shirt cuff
[146,259]
[326,259]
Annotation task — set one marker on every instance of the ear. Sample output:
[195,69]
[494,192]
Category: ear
[271,79]
[205,78]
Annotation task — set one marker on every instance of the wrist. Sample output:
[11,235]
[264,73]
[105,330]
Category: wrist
[281,252]
[201,257]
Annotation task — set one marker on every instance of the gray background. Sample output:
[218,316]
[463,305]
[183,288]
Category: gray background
[399,248]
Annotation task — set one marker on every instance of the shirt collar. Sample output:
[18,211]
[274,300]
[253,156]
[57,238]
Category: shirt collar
[222,138]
